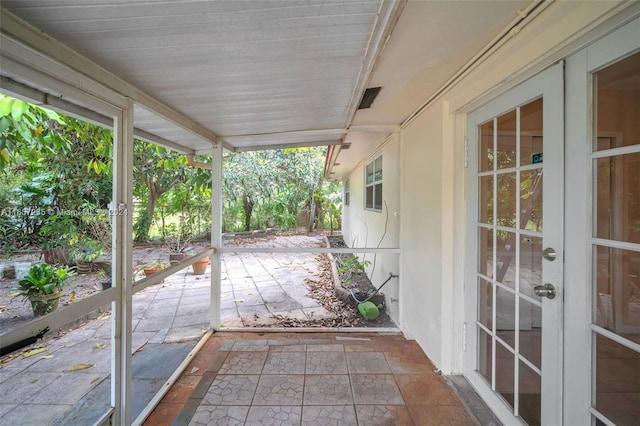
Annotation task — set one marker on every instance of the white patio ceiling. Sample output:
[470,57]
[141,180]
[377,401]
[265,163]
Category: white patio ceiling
[274,73]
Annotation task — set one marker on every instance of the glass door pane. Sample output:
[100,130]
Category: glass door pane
[616,244]
[510,261]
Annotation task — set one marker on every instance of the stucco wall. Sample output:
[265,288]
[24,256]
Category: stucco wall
[421,295]
[366,228]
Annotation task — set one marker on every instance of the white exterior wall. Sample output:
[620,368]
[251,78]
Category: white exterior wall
[422,232]
[366,228]
[432,230]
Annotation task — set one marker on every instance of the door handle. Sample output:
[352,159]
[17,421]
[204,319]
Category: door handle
[547,290]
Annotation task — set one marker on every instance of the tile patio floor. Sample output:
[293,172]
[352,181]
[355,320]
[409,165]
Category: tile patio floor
[311,379]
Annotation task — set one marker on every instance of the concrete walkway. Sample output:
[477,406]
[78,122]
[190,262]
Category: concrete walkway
[68,383]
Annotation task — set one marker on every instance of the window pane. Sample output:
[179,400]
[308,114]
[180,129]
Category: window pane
[531,200]
[369,173]
[618,103]
[507,140]
[530,265]
[486,199]
[506,316]
[531,133]
[504,373]
[484,354]
[378,169]
[506,258]
[506,213]
[369,200]
[485,303]
[486,147]
[617,382]
[529,391]
[531,332]
[485,252]
[617,281]
[617,198]
[378,196]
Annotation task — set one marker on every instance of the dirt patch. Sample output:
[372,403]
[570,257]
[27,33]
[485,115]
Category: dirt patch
[354,285]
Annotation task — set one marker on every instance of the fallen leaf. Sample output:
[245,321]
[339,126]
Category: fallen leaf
[238,300]
[104,317]
[72,297]
[47,357]
[80,366]
[194,369]
[140,317]
[13,294]
[34,352]
[96,379]
[100,345]
[250,293]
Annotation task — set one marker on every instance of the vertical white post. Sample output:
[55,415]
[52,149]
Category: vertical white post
[216,234]
[122,216]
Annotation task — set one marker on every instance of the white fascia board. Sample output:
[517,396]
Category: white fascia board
[67,65]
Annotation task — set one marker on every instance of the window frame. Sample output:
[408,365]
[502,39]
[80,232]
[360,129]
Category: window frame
[374,189]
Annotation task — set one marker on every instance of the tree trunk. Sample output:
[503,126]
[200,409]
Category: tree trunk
[312,213]
[143,224]
[247,206]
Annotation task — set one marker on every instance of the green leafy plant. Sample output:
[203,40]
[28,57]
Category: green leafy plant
[59,231]
[41,280]
[351,265]
[88,251]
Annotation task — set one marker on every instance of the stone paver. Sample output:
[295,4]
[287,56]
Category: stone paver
[360,395]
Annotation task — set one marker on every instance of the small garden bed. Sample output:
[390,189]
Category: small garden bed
[352,284]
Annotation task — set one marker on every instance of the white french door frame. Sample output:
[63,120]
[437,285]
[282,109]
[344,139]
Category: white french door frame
[580,67]
[549,85]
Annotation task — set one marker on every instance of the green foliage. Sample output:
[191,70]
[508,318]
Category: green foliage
[43,279]
[88,251]
[59,231]
[349,265]
[53,166]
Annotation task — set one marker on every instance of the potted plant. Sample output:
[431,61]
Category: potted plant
[58,234]
[42,286]
[178,248]
[200,266]
[86,254]
[153,268]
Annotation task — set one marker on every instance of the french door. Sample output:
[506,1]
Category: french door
[553,277]
[515,288]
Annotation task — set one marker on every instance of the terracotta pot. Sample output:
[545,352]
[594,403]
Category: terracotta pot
[200,266]
[177,257]
[45,304]
[83,267]
[152,270]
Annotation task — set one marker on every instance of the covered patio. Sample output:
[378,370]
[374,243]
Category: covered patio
[124,81]
[398,91]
